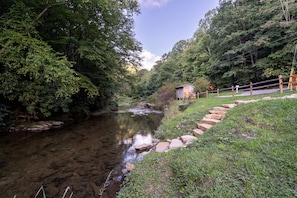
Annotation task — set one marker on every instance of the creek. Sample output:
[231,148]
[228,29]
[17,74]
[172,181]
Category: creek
[79,155]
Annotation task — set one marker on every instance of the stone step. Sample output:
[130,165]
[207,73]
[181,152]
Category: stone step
[229,106]
[217,112]
[210,121]
[176,143]
[197,132]
[188,139]
[220,109]
[214,116]
[162,147]
[240,102]
[204,127]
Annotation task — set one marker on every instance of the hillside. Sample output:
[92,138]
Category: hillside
[237,43]
[223,162]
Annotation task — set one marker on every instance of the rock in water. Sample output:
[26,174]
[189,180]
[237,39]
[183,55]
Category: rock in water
[143,147]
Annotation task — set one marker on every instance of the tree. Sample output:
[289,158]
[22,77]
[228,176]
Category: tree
[94,39]
[245,36]
[238,42]
[201,85]
[178,48]
[32,74]
[164,95]
[286,9]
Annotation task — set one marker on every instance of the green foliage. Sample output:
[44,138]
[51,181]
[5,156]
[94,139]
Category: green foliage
[54,55]
[33,74]
[236,43]
[242,43]
[147,84]
[201,85]
[164,96]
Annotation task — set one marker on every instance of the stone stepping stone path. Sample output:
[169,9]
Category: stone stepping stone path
[197,132]
[210,121]
[216,114]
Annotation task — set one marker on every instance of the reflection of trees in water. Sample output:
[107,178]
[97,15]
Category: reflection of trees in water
[115,127]
[127,126]
[133,131]
[87,150]
[130,154]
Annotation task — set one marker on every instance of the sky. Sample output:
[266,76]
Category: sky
[162,23]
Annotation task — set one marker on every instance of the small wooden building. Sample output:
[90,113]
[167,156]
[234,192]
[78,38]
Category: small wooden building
[186,91]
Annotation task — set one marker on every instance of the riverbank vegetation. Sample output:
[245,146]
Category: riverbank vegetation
[64,57]
[251,153]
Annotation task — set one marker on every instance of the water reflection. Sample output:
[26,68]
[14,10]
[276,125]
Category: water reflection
[131,155]
[80,155]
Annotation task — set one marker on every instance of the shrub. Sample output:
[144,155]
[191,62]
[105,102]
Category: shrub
[201,84]
[164,95]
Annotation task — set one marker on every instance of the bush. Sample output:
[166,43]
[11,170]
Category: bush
[201,85]
[165,94]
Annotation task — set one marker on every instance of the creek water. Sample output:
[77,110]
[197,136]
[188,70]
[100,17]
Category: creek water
[80,156]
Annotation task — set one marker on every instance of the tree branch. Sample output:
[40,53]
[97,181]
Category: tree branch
[285,9]
[46,9]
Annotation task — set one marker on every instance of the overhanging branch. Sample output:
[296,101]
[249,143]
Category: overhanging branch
[46,9]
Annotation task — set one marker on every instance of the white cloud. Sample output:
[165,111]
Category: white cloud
[153,3]
[149,59]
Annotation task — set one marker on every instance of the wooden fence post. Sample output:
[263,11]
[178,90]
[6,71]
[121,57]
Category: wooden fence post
[291,83]
[232,90]
[198,95]
[206,93]
[218,92]
[251,88]
[280,80]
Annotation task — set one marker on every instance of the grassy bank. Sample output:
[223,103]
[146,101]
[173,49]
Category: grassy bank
[251,153]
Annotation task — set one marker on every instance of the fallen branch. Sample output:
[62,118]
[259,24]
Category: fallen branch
[105,184]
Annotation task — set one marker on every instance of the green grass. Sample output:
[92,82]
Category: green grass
[251,153]
[176,123]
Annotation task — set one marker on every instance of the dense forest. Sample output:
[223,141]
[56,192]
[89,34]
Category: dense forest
[240,41]
[75,56]
[64,56]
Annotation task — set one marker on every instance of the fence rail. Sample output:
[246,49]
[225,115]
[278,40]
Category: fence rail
[279,83]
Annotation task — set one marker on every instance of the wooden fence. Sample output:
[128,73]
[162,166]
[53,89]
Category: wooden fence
[282,83]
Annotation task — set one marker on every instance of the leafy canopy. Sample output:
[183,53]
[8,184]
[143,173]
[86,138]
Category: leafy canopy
[32,73]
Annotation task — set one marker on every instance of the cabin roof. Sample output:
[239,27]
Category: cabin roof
[184,85]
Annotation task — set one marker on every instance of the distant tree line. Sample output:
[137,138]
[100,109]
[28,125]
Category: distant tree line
[240,41]
[59,56]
